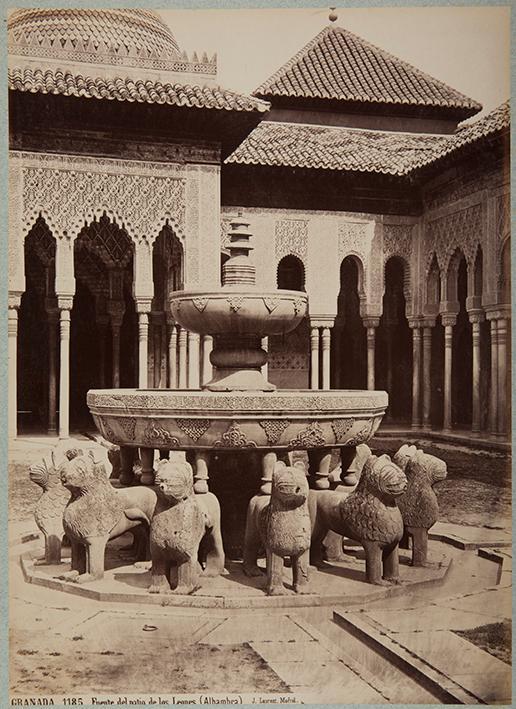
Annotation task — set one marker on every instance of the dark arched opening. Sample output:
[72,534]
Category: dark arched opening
[168,276]
[348,346]
[393,371]
[37,334]
[289,365]
[462,354]
[103,319]
[291,273]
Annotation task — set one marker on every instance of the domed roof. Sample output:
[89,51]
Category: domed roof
[97,36]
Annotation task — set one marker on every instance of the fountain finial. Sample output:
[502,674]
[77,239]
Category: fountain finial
[238,270]
[333,17]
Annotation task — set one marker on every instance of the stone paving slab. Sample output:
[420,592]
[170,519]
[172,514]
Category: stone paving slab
[485,604]
[429,618]
[466,537]
[457,658]
[256,627]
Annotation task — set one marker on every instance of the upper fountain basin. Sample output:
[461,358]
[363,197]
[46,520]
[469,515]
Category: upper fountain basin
[239,311]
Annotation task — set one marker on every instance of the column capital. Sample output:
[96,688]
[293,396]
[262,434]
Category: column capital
[143,305]
[428,322]
[65,302]
[371,322]
[498,312]
[476,315]
[416,323]
[170,320]
[14,300]
[449,320]
[322,321]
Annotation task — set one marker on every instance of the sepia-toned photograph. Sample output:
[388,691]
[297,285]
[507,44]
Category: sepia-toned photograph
[259,355]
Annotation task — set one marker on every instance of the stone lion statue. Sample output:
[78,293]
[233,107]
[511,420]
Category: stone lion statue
[368,515]
[419,506]
[97,512]
[181,521]
[48,511]
[282,524]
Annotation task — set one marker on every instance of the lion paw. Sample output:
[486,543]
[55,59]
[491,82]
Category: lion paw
[278,591]
[159,588]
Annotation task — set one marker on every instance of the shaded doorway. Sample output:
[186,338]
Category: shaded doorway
[38,335]
[393,370]
[348,336]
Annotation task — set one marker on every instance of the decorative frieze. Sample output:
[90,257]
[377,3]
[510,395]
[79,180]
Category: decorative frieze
[291,238]
[397,241]
[461,230]
[70,190]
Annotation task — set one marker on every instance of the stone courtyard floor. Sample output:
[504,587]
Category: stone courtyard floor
[400,649]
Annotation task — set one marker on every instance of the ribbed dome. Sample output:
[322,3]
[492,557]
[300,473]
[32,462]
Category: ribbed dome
[92,35]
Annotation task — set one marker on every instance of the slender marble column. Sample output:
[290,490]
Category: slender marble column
[183,363]
[115,348]
[172,356]
[314,358]
[12,353]
[326,339]
[64,373]
[502,376]
[201,472]
[143,350]
[156,348]
[427,369]
[416,377]
[371,326]
[194,363]
[207,369]
[475,319]
[493,408]
[448,354]
[52,374]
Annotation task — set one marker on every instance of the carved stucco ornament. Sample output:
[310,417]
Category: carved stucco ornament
[362,435]
[271,304]
[128,426]
[194,428]
[200,303]
[274,429]
[341,427]
[235,303]
[309,437]
[155,435]
[234,437]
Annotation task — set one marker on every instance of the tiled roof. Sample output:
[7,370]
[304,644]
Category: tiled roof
[328,148]
[338,65]
[68,84]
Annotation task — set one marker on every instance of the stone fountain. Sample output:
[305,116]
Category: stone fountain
[238,410]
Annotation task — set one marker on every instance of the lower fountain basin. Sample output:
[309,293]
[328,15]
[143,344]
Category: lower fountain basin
[200,420]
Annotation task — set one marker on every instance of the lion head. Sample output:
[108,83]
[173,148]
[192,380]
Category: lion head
[403,455]
[289,486]
[81,472]
[429,467]
[380,476]
[174,479]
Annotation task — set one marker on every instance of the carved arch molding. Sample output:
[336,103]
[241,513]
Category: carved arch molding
[445,235]
[72,190]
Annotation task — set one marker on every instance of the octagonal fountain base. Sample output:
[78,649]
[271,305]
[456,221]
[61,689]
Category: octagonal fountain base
[199,420]
[339,583]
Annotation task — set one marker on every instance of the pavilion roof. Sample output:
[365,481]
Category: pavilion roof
[340,66]
[67,83]
[336,148]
